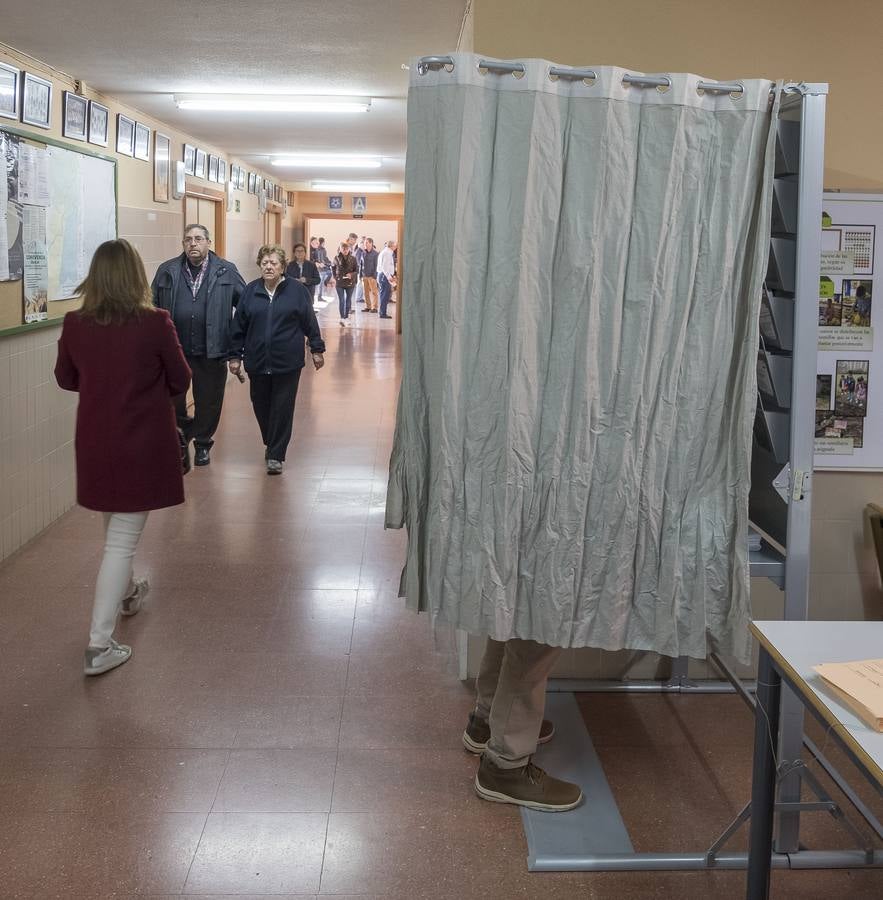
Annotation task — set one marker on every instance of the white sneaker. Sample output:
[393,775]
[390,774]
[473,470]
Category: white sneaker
[274,467]
[343,323]
[136,597]
[96,660]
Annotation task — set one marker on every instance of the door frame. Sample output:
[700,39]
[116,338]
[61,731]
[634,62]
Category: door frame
[400,226]
[199,191]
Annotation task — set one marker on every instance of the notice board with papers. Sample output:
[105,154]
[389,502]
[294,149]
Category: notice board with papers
[57,204]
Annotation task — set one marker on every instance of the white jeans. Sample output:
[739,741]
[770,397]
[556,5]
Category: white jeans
[122,532]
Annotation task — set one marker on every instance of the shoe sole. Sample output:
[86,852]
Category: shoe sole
[497,797]
[477,748]
[113,665]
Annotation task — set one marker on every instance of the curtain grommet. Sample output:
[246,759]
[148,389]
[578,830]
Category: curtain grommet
[738,95]
[664,88]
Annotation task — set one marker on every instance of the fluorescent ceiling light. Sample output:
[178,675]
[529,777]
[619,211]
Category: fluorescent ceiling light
[271,103]
[379,187]
[329,162]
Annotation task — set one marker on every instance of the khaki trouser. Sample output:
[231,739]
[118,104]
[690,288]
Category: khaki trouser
[511,695]
[369,285]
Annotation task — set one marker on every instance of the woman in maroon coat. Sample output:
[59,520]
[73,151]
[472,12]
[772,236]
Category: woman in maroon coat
[124,358]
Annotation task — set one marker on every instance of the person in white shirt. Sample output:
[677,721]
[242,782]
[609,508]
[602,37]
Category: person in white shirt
[386,270]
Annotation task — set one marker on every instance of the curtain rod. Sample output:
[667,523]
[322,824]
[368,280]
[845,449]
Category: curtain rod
[429,63]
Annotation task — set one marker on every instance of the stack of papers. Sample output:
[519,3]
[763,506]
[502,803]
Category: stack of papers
[859,685]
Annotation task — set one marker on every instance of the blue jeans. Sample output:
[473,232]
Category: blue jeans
[345,301]
[385,292]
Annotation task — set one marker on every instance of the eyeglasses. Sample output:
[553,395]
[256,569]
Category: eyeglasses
[195,240]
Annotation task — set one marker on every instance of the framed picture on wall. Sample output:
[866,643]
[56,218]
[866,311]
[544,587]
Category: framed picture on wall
[234,175]
[189,158]
[222,171]
[99,116]
[162,149]
[75,122]
[125,135]
[142,141]
[241,179]
[251,182]
[9,91]
[212,168]
[36,101]
[199,165]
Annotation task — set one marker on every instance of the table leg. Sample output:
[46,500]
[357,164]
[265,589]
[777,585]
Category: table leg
[763,787]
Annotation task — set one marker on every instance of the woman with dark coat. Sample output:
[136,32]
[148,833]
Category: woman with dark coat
[274,318]
[123,357]
[302,269]
[346,272]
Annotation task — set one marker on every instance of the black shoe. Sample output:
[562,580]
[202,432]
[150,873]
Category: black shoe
[201,457]
[385,317]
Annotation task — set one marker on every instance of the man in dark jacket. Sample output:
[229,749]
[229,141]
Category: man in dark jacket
[369,275]
[200,290]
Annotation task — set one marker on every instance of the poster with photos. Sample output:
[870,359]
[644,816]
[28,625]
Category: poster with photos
[849,418]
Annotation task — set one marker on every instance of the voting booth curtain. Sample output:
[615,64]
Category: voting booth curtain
[583,269]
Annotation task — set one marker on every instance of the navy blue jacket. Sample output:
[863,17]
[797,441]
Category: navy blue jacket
[310,272]
[270,334]
[224,287]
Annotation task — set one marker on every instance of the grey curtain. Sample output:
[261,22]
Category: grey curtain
[582,275]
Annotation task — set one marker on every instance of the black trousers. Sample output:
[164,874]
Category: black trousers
[272,397]
[209,381]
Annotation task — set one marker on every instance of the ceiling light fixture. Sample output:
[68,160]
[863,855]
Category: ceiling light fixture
[329,162]
[271,103]
[377,187]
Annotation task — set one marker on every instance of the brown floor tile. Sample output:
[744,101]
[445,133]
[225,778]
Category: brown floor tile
[278,781]
[110,783]
[392,853]
[49,855]
[273,853]
[291,723]
[403,780]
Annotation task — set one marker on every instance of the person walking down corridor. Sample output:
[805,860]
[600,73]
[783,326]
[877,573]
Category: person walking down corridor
[123,357]
[345,272]
[200,291]
[369,275]
[272,321]
[386,270]
[302,269]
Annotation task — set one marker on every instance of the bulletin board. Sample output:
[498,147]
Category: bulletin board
[849,380]
[58,202]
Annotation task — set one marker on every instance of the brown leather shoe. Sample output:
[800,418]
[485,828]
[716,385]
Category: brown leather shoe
[526,786]
[478,733]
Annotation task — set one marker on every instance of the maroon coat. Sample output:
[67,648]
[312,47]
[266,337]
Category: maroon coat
[128,456]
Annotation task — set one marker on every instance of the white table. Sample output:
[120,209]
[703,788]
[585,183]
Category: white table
[788,652]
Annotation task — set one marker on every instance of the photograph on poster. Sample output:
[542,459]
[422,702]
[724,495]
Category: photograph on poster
[830,309]
[851,398]
[857,302]
[830,425]
[99,115]
[859,241]
[823,392]
[189,159]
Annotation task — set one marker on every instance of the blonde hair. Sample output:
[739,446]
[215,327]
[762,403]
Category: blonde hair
[271,250]
[116,287]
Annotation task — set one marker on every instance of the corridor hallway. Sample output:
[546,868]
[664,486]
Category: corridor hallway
[284,726]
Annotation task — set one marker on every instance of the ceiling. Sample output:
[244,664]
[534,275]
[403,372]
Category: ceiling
[144,52]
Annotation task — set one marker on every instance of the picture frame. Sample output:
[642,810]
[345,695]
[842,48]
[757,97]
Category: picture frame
[234,175]
[251,182]
[125,135]
[162,161]
[9,91]
[199,164]
[99,116]
[189,159]
[241,179]
[142,142]
[222,171]
[212,168]
[36,101]
[75,120]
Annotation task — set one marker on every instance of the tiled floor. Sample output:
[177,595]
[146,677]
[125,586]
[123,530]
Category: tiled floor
[285,728]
